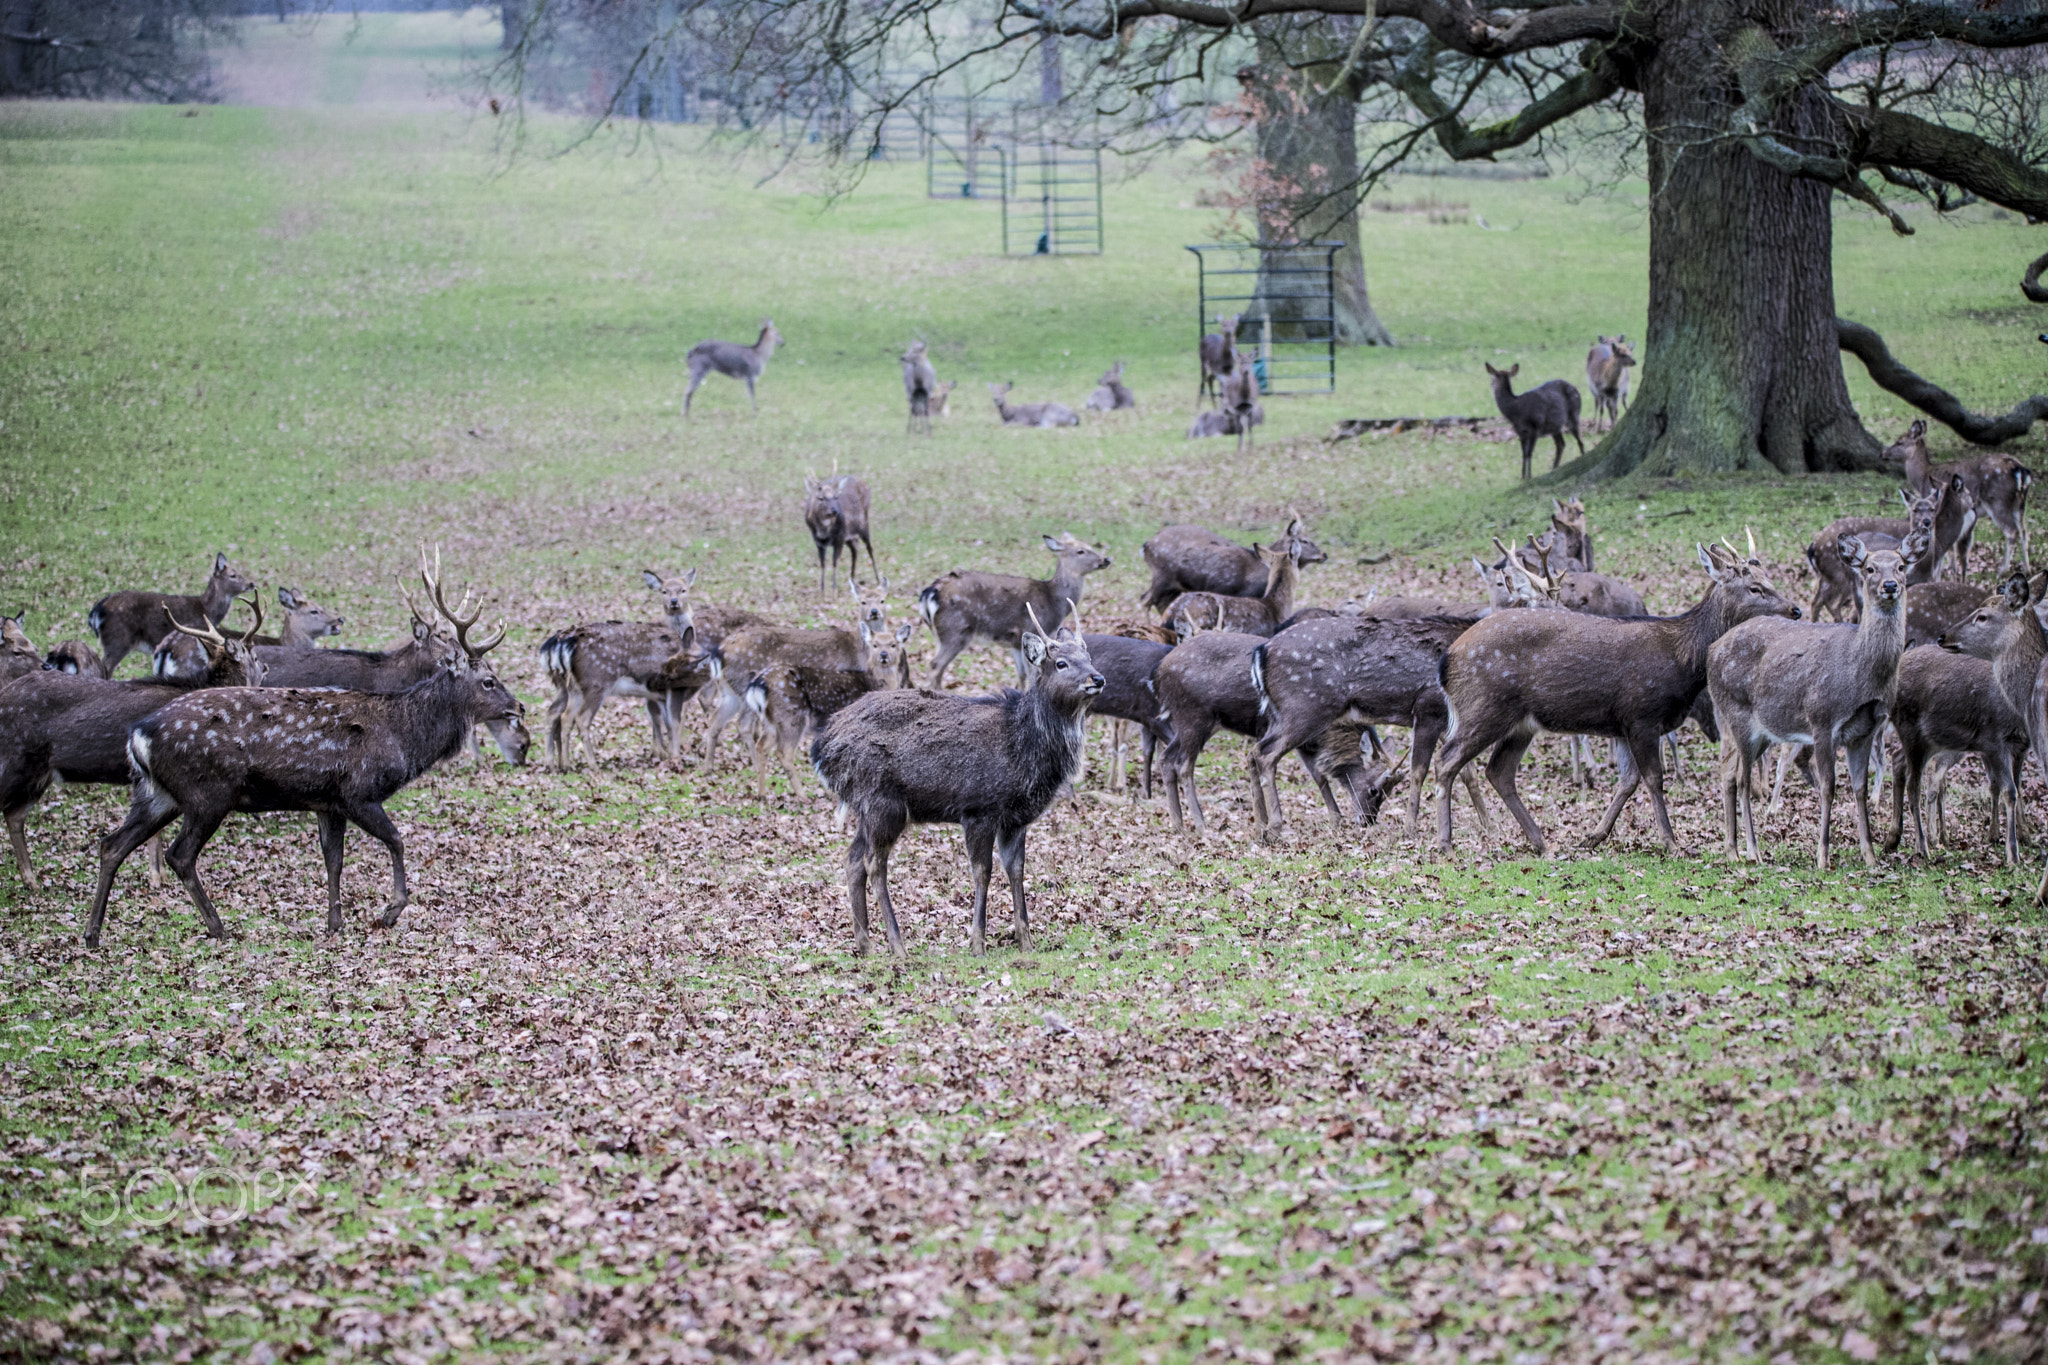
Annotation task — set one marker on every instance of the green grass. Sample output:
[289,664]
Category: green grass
[619,1085]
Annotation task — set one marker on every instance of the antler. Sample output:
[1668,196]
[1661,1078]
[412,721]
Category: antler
[1752,541]
[210,633]
[255,605]
[432,578]
[1032,612]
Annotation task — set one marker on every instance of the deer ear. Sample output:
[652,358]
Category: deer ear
[220,561]
[1851,550]
[651,579]
[1034,648]
[905,631]
[867,636]
[1051,544]
[1514,369]
[1708,563]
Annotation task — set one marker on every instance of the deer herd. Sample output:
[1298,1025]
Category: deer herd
[231,720]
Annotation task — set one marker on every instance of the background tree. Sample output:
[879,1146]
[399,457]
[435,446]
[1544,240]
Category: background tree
[109,49]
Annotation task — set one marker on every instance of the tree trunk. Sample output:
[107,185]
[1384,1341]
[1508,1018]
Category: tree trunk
[1740,369]
[1306,165]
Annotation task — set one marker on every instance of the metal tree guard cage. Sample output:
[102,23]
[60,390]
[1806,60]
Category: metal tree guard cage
[1052,194]
[1284,296]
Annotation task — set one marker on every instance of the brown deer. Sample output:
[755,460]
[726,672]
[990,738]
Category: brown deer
[339,754]
[1195,559]
[1550,409]
[361,670]
[126,621]
[181,654]
[601,659]
[756,649]
[1518,673]
[1950,701]
[1218,355]
[75,656]
[734,361]
[1574,536]
[17,655]
[1943,514]
[988,764]
[75,726]
[968,608]
[1997,486]
[793,701]
[1030,414]
[1787,682]
[1260,615]
[921,387]
[1607,367]
[1127,664]
[1111,395]
[836,511]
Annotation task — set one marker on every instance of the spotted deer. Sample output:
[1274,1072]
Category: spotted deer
[601,659]
[968,608]
[127,621]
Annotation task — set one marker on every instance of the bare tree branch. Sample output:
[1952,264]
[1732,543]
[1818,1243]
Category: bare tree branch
[1888,374]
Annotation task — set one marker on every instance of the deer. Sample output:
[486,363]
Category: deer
[791,701]
[1031,414]
[1550,409]
[1195,559]
[734,361]
[74,726]
[1952,701]
[1788,682]
[1934,608]
[1205,685]
[836,511]
[1944,513]
[1261,615]
[920,386]
[17,654]
[1240,402]
[1607,367]
[1997,485]
[1127,664]
[1596,594]
[126,621]
[1111,395]
[1573,535]
[597,660]
[1218,355]
[756,649]
[1365,670]
[1518,673]
[988,764]
[338,754]
[362,670]
[967,607]
[182,654]
[75,656]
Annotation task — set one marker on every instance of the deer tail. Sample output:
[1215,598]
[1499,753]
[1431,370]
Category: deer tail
[928,605]
[1259,679]
[756,695]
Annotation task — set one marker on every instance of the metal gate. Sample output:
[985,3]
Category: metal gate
[1283,296]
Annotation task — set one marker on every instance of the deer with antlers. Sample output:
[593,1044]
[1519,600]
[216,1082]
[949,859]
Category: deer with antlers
[339,754]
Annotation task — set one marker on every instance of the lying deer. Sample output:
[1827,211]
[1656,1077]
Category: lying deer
[793,701]
[341,755]
[836,511]
[734,361]
[1607,367]
[75,656]
[1945,513]
[988,764]
[967,608]
[125,621]
[1519,673]
[75,726]
[1261,615]
[1031,414]
[1218,355]
[181,654]
[1195,559]
[1780,682]
[598,660]
[1111,395]
[1550,409]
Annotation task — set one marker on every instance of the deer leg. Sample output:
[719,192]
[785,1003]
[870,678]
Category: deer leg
[1194,799]
[729,706]
[148,813]
[2008,785]
[981,841]
[1479,815]
[1449,767]
[1422,744]
[1010,850]
[1653,769]
[1316,776]
[184,861]
[1148,740]
[1172,775]
[17,835]
[949,650]
[1623,790]
[1906,788]
[822,580]
[750,396]
[1557,456]
[857,887]
[372,821]
[1729,765]
[1500,770]
[333,827]
[1825,771]
[1116,755]
[878,858]
[1859,788]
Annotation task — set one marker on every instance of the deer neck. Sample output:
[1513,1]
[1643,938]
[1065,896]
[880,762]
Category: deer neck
[1058,723]
[1066,583]
[1503,392]
[1280,580]
[214,601]
[2017,665]
[432,719]
[1880,639]
[765,346]
[292,634]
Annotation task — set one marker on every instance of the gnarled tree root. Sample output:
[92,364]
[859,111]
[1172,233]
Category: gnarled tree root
[1888,374]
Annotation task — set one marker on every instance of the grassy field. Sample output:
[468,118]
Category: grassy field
[617,1085]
